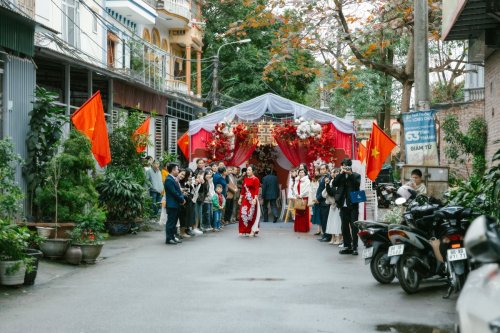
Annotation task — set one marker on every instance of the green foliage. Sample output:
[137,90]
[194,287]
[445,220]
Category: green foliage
[14,240]
[471,144]
[445,93]
[89,227]
[366,98]
[480,193]
[42,142]
[123,149]
[10,192]
[76,191]
[242,67]
[169,158]
[122,195]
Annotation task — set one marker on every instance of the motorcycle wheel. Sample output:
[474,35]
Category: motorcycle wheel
[383,273]
[408,277]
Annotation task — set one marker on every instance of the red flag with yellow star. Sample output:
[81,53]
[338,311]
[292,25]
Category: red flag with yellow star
[379,148]
[362,152]
[140,136]
[89,119]
[183,144]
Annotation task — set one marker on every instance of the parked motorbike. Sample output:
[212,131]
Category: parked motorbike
[429,244]
[374,237]
[478,306]
[386,194]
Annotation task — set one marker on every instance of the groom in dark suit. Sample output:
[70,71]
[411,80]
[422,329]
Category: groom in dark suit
[270,192]
[174,198]
[346,182]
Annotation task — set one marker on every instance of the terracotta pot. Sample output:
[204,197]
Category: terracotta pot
[90,252]
[73,255]
[13,278]
[54,248]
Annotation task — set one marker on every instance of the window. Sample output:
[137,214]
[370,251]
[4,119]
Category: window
[112,42]
[70,23]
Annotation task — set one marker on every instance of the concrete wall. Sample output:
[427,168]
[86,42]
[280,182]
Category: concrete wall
[464,112]
[492,102]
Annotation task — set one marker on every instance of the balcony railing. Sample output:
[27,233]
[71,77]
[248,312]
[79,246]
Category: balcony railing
[176,86]
[474,94]
[177,7]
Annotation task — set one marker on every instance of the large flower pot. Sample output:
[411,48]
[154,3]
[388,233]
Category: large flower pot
[54,248]
[73,255]
[29,277]
[118,228]
[10,275]
[44,232]
[90,252]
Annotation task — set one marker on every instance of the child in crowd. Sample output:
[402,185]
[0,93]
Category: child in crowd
[218,202]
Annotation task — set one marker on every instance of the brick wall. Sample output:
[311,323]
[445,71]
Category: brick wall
[464,113]
[492,102]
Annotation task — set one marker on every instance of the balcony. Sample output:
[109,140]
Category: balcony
[177,12]
[474,94]
[138,11]
[27,6]
[176,86]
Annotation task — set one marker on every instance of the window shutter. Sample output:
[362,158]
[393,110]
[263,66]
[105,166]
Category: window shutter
[159,137]
[172,135]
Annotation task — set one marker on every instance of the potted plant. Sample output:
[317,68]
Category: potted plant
[88,234]
[123,198]
[56,247]
[32,252]
[14,262]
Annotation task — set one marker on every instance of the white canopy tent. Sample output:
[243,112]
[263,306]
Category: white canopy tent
[255,109]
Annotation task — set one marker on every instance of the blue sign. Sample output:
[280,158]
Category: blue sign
[420,138]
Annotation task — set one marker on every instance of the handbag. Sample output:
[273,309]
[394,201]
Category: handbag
[357,196]
[300,204]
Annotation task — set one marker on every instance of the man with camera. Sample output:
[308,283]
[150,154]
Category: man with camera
[346,182]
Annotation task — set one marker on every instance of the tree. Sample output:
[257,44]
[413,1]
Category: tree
[243,73]
[351,35]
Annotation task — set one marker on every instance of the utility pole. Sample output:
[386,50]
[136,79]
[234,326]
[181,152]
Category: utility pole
[421,71]
[215,76]
[215,84]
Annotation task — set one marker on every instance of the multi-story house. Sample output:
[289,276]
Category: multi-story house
[141,54]
[478,22]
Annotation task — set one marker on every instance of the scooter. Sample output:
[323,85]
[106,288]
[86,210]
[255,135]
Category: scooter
[428,245]
[478,307]
[386,194]
[374,237]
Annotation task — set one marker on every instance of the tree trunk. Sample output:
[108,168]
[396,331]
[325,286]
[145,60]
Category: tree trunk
[405,107]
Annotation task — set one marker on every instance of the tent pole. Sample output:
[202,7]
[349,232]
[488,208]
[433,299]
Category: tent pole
[352,151]
[189,146]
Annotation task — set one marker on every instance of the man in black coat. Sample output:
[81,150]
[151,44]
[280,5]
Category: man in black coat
[270,192]
[347,182]
[324,207]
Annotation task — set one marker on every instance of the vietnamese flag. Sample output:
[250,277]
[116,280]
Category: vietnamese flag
[362,152]
[142,132]
[89,119]
[379,148]
[183,144]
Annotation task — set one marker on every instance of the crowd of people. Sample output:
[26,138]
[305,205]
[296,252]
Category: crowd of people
[212,196]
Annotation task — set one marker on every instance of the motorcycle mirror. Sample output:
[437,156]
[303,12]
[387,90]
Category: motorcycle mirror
[400,201]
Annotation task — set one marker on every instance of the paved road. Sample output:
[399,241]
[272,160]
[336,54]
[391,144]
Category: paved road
[278,282]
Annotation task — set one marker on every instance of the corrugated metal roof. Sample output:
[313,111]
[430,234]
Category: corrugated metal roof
[16,33]
[470,21]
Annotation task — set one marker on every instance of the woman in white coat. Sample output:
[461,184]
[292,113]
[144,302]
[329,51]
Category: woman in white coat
[302,190]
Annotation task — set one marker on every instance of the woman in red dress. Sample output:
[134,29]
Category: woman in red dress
[302,189]
[249,205]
